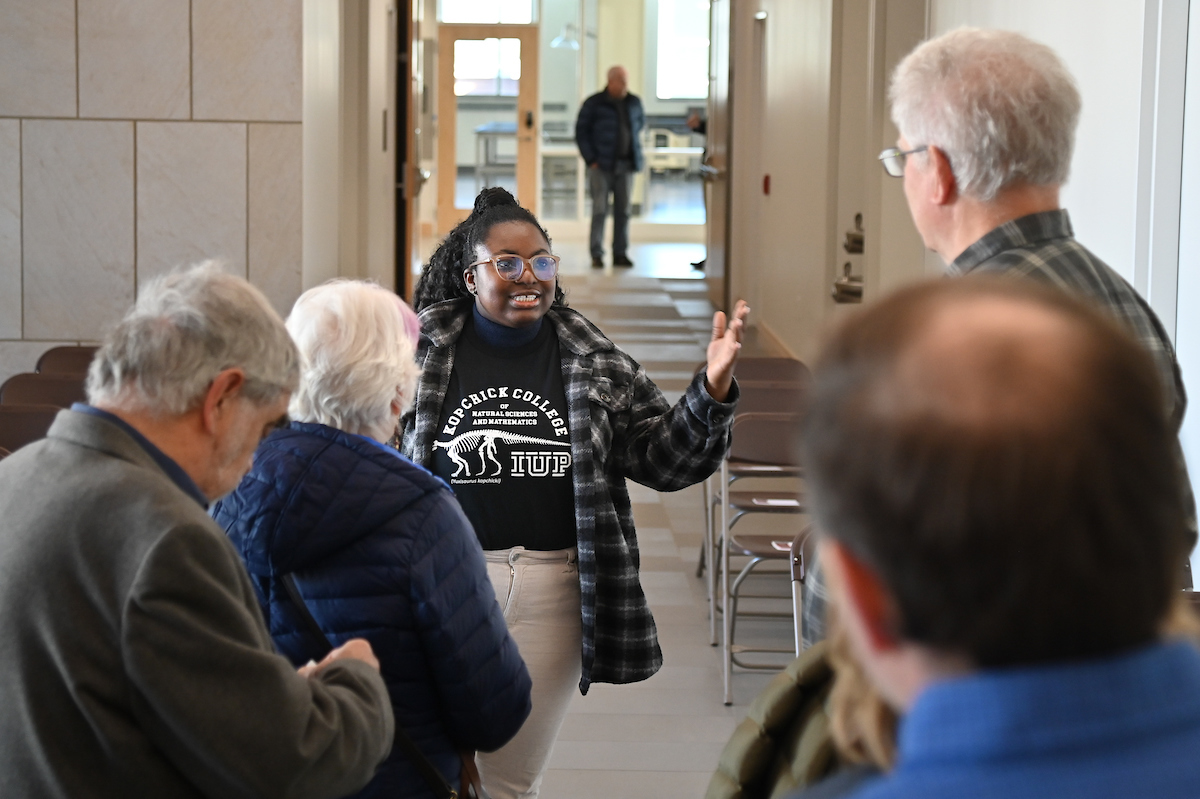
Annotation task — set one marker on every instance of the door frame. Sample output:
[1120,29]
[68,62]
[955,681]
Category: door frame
[718,161]
[528,117]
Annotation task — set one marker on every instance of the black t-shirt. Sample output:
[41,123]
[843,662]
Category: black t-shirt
[503,443]
[624,129]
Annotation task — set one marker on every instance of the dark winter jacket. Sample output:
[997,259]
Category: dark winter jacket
[596,130]
[380,550]
[621,427]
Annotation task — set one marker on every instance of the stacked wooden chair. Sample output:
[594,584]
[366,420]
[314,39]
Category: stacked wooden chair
[30,401]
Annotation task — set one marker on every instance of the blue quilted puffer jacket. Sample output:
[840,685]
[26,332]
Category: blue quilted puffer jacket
[380,549]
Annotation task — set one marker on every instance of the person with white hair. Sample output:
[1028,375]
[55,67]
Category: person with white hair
[987,124]
[336,527]
[135,659]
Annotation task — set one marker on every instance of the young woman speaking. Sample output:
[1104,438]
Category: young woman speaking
[536,419]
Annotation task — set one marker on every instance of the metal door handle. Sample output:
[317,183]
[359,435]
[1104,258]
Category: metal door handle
[420,175]
[848,288]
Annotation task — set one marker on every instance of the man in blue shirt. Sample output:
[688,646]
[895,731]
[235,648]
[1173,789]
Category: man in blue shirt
[991,464]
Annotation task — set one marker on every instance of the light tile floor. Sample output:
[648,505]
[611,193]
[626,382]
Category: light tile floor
[660,738]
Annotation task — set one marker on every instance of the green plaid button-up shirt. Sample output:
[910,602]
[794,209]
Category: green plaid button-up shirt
[1041,246]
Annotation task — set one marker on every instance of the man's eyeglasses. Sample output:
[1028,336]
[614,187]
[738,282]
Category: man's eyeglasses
[893,159]
[511,267]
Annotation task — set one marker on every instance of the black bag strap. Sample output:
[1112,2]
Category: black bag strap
[441,788]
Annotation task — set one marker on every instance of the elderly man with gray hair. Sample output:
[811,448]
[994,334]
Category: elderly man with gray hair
[135,658]
[987,124]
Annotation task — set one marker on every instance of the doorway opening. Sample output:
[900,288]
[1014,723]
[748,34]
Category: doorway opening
[500,88]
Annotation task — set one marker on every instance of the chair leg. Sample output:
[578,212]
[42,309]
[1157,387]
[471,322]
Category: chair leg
[727,614]
[798,613]
[716,547]
[708,529]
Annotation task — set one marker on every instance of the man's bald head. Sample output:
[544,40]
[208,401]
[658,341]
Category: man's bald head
[618,82]
[987,362]
[996,452]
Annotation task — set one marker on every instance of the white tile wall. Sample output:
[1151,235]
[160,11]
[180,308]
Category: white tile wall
[191,195]
[21,356]
[10,228]
[77,200]
[233,39]
[37,58]
[276,243]
[136,136]
[134,59]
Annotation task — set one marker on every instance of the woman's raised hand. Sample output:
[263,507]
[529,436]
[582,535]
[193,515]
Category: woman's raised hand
[723,351]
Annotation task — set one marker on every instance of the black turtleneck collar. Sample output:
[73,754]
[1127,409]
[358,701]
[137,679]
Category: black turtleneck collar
[497,335]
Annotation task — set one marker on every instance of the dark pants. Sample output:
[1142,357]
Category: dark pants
[619,184]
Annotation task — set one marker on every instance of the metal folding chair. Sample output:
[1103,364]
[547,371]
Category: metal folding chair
[802,550]
[771,385]
[745,460]
[772,437]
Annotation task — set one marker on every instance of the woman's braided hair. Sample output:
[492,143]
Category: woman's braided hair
[442,278]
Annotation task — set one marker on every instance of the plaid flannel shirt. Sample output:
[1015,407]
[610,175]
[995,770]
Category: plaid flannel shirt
[621,427]
[1041,246]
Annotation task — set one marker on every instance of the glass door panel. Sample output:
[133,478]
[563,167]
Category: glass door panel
[487,74]
[487,126]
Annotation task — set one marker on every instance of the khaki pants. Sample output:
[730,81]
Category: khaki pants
[539,592]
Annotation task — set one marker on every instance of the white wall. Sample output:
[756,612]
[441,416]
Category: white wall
[137,135]
[620,41]
[782,122]
[1101,43]
[1187,337]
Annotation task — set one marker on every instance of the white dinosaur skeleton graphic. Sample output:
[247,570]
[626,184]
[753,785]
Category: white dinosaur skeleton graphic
[484,441]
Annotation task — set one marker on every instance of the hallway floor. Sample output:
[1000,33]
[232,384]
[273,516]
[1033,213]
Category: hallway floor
[660,738]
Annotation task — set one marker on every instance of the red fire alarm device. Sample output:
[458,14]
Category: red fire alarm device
[766,184]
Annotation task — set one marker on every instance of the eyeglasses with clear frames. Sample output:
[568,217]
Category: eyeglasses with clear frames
[893,159]
[511,267]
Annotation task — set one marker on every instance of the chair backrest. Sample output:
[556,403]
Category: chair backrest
[24,424]
[1193,600]
[784,743]
[772,397]
[770,438]
[803,547]
[35,389]
[71,360]
[781,370]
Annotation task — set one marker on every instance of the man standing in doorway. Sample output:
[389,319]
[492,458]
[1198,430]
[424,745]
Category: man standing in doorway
[607,132]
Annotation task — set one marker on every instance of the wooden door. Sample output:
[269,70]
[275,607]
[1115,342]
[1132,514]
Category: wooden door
[716,167]
[894,253]
[487,138]
[412,129]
